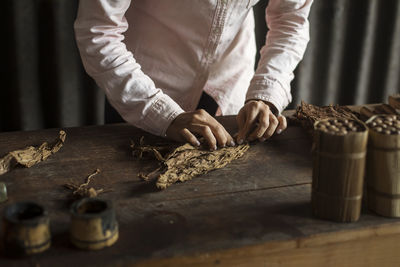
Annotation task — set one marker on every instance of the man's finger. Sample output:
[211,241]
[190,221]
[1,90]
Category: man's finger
[282,124]
[240,119]
[206,132]
[219,134]
[273,124]
[249,122]
[263,124]
[229,138]
[230,141]
[189,137]
[222,136]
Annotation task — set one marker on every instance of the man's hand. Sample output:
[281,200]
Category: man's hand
[256,116]
[187,124]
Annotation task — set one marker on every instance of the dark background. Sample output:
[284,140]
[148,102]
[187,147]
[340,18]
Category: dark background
[353,58]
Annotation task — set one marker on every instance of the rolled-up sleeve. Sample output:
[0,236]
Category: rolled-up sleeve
[285,45]
[99,30]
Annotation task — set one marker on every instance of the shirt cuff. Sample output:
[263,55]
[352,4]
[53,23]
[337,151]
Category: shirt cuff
[269,91]
[160,115]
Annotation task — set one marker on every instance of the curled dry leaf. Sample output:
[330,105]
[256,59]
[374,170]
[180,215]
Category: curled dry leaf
[186,161]
[30,156]
[83,190]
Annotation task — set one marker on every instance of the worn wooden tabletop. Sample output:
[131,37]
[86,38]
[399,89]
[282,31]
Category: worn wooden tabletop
[255,211]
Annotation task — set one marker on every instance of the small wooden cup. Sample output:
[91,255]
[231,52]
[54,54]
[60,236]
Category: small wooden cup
[93,224]
[338,171]
[26,229]
[383,169]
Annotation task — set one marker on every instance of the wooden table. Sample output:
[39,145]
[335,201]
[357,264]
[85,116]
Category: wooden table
[254,212]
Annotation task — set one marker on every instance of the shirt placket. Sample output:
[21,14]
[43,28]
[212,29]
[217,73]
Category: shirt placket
[213,40]
[215,32]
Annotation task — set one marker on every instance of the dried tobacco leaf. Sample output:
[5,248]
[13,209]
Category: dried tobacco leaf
[31,155]
[187,161]
[83,190]
[140,150]
[308,114]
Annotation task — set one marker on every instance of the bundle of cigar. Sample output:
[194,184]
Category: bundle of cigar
[389,125]
[383,165]
[339,151]
[339,126]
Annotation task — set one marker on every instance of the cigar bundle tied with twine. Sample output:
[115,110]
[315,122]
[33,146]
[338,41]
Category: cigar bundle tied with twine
[339,152]
[383,165]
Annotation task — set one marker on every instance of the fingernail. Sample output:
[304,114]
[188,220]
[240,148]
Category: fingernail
[279,131]
[197,143]
[240,141]
[213,148]
[232,143]
[263,139]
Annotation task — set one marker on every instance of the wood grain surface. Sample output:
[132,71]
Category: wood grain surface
[256,211]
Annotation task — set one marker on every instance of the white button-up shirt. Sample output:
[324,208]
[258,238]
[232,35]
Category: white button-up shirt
[173,50]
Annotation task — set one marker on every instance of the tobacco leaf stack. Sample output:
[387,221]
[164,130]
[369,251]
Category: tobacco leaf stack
[307,114]
[181,164]
[393,108]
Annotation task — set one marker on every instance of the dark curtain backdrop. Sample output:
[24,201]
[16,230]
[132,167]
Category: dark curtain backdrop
[353,57]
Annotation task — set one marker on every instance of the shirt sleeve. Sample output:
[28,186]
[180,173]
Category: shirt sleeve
[99,29]
[285,45]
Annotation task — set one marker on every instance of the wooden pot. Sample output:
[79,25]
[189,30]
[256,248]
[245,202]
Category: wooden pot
[383,172]
[25,229]
[338,173]
[93,224]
